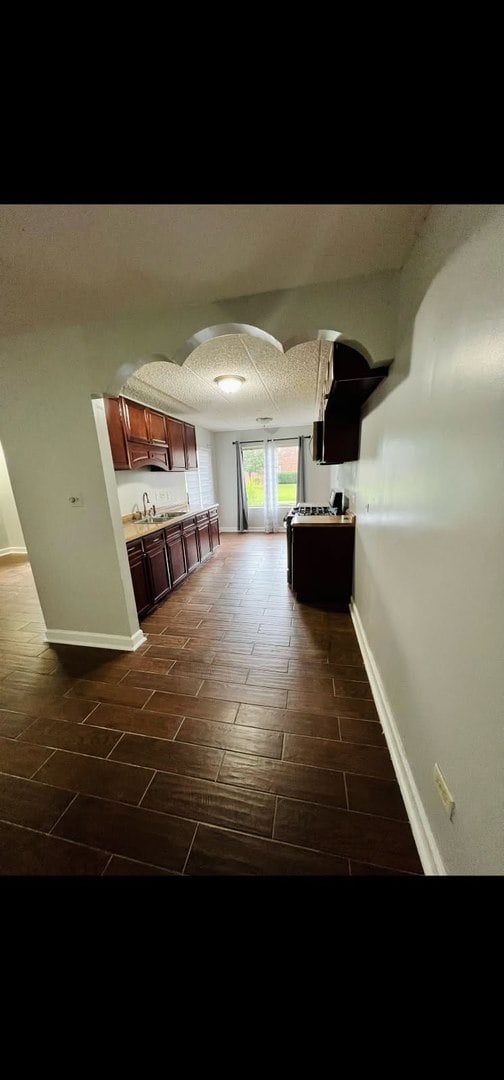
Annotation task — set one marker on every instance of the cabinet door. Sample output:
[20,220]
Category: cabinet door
[191,548]
[138,455]
[176,557]
[203,527]
[158,455]
[116,434]
[135,417]
[214,531]
[158,567]
[191,460]
[141,583]
[341,436]
[157,430]
[176,445]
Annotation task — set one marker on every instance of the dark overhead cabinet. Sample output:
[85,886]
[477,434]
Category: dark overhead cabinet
[141,438]
[351,382]
[176,444]
[191,460]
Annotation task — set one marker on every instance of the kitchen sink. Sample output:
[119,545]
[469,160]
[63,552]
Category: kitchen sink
[154,520]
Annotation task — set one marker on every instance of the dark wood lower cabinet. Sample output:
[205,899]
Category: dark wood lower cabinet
[157,562]
[140,580]
[204,541]
[176,556]
[161,560]
[191,548]
[322,563]
[214,531]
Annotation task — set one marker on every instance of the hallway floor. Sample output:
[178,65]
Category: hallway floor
[242,738]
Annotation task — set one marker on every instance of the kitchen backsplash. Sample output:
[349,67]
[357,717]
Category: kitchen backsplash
[163,489]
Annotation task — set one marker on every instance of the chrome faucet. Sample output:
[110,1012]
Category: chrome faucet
[146,500]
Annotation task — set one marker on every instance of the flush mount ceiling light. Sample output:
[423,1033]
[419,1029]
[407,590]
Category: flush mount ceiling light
[229,383]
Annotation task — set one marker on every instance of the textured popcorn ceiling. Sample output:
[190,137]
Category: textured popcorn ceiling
[283,386]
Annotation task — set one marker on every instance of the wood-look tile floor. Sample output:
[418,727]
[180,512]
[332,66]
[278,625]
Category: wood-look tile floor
[241,738]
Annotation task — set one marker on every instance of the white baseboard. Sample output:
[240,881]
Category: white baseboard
[227,529]
[13,551]
[424,838]
[96,641]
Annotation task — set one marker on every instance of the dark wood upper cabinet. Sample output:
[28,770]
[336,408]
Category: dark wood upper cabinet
[191,460]
[157,428]
[158,455]
[135,418]
[117,437]
[141,438]
[138,455]
[176,443]
[351,381]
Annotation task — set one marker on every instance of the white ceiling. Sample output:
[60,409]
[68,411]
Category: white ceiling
[72,263]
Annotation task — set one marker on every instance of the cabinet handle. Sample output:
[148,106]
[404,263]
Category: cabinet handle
[156,541]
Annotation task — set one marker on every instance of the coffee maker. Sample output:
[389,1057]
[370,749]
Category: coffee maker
[336,500]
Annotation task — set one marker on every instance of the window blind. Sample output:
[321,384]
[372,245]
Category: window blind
[199,482]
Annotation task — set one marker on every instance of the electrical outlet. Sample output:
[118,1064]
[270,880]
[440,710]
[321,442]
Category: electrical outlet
[76,500]
[444,792]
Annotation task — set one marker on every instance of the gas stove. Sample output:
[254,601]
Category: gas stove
[310,509]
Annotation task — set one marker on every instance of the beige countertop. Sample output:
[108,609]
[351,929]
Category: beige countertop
[309,520]
[134,530]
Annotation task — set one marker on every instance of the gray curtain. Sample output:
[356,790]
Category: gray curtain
[301,482]
[241,493]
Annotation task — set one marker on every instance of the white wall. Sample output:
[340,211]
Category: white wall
[163,489]
[317,476]
[11,534]
[428,572]
[50,440]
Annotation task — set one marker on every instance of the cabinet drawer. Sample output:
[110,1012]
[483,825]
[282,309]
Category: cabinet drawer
[189,524]
[134,548]
[173,532]
[202,519]
[154,540]
[158,455]
[138,455]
